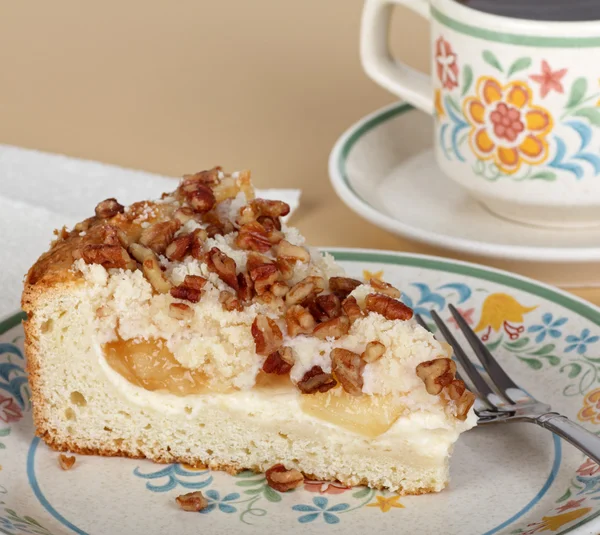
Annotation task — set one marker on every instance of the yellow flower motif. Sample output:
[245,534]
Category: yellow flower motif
[375,275]
[385,504]
[497,311]
[437,100]
[591,407]
[554,523]
[506,127]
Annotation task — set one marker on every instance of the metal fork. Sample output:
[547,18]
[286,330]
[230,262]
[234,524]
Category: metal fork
[503,400]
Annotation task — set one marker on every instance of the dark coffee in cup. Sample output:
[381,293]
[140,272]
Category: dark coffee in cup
[551,10]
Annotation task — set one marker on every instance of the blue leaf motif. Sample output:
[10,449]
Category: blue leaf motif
[171,472]
[339,507]
[584,131]
[443,130]
[226,508]
[330,519]
[210,507]
[320,502]
[592,339]
[10,348]
[308,518]
[560,322]
[464,292]
[535,328]
[304,508]
[572,338]
[591,159]
[427,296]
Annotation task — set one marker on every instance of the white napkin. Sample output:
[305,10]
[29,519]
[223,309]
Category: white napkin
[40,192]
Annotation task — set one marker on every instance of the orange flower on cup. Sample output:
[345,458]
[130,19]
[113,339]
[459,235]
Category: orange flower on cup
[506,127]
[591,407]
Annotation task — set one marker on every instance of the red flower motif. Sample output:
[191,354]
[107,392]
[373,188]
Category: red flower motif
[549,80]
[588,468]
[446,64]
[507,121]
[325,487]
[9,410]
[571,504]
[466,314]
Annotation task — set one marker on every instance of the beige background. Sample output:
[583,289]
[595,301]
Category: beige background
[172,87]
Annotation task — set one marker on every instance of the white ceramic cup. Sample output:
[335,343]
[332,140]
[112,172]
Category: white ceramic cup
[516,106]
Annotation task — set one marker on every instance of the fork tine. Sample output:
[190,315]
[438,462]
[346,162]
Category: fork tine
[494,370]
[477,379]
[422,323]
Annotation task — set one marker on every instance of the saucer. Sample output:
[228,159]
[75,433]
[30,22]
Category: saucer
[383,167]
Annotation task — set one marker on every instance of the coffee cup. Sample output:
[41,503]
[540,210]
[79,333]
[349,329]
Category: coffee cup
[516,106]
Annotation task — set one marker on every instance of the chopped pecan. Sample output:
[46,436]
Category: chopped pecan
[267,335]
[219,263]
[66,462]
[325,307]
[333,328]
[306,288]
[109,256]
[244,184]
[385,288]
[179,248]
[270,223]
[159,235]
[227,188]
[351,309]
[180,311]
[436,374]
[285,268]
[273,301]
[316,380]
[109,208]
[373,352]
[184,214]
[343,286]
[279,289]
[279,362]
[190,289]
[463,399]
[150,267]
[263,276]
[209,177]
[292,253]
[201,199]
[245,287]
[253,237]
[192,501]
[347,368]
[389,308]
[299,321]
[230,301]
[282,480]
[199,236]
[265,207]
[112,235]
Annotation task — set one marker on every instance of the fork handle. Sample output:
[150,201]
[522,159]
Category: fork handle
[581,438]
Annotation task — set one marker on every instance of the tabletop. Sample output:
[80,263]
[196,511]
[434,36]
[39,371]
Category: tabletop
[175,87]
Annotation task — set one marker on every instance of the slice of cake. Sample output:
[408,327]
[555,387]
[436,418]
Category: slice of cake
[199,328]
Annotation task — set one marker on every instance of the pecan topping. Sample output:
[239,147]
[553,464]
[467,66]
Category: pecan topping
[209,177]
[436,374]
[263,276]
[199,235]
[190,289]
[373,352]
[307,287]
[299,321]
[282,480]
[159,235]
[180,311]
[389,308]
[279,362]
[201,198]
[179,248]
[227,188]
[109,208]
[219,263]
[271,224]
[253,237]
[275,303]
[274,209]
[463,399]
[245,287]
[109,256]
[230,301]
[183,214]
[343,286]
[267,335]
[325,307]
[279,289]
[286,268]
[351,309]
[292,253]
[192,501]
[385,288]
[66,462]
[316,380]
[334,328]
[347,368]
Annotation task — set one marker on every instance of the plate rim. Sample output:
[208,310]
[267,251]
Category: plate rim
[573,303]
[341,184]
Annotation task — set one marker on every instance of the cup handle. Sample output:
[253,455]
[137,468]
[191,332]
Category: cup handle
[406,82]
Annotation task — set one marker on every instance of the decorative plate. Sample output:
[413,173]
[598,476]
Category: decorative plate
[510,478]
[383,167]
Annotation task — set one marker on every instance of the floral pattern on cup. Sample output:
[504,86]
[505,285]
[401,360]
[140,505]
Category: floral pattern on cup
[497,120]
